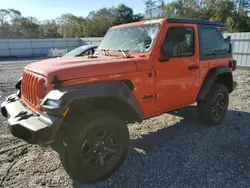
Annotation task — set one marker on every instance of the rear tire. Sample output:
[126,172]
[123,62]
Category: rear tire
[213,108]
[95,147]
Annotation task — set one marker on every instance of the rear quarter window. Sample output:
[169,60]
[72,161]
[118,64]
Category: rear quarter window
[212,43]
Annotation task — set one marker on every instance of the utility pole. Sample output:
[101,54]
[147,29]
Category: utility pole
[161,7]
[150,8]
[239,5]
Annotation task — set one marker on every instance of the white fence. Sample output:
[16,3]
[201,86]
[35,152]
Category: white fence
[241,48]
[40,47]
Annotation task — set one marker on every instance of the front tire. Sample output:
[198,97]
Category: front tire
[96,147]
[213,108]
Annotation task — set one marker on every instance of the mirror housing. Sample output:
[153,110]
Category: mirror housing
[227,39]
[163,59]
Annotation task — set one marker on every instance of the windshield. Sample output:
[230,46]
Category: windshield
[75,52]
[138,39]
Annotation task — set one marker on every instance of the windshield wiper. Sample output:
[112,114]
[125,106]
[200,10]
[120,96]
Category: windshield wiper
[125,53]
[105,52]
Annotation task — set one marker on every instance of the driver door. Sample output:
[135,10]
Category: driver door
[177,71]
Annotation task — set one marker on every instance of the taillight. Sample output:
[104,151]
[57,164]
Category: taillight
[232,65]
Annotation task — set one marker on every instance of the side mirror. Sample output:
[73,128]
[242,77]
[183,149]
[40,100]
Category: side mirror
[163,59]
[227,39]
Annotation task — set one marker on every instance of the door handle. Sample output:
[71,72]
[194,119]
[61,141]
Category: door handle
[195,67]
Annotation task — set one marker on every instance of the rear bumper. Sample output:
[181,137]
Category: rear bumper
[30,127]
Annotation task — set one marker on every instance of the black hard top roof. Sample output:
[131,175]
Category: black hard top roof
[194,21]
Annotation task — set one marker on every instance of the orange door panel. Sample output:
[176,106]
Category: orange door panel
[177,80]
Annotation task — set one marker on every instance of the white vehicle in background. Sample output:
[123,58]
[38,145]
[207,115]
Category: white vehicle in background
[79,51]
[55,52]
[82,51]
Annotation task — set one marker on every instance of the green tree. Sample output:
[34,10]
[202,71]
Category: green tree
[124,14]
[49,29]
[3,15]
[4,25]
[235,13]
[150,9]
[98,22]
[170,10]
[243,7]
[29,28]
[72,26]
[14,17]
[161,7]
[138,17]
[221,10]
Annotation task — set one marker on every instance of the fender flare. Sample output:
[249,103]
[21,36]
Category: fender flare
[115,89]
[211,78]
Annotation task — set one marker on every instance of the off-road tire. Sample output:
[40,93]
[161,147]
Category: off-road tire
[71,151]
[205,107]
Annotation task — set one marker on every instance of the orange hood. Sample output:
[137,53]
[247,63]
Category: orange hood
[71,68]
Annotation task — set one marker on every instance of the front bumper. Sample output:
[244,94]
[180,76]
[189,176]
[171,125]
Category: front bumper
[28,126]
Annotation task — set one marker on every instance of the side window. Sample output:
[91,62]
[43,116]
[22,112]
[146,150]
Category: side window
[179,42]
[212,42]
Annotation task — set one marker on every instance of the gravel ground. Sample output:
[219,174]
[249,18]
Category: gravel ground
[171,150]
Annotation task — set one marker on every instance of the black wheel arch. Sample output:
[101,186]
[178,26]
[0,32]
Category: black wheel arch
[113,95]
[222,75]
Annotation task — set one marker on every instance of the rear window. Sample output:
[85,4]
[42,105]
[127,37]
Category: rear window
[212,42]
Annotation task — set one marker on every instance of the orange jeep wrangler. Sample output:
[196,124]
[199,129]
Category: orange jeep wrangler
[80,106]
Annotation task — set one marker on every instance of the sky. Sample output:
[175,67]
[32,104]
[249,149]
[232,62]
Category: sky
[50,9]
